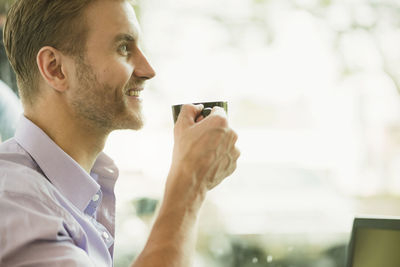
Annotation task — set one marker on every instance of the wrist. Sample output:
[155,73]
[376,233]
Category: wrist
[184,190]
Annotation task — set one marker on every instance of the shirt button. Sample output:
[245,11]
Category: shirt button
[105,235]
[95,197]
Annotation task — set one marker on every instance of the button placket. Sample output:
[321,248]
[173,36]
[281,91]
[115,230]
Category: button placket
[93,204]
[104,234]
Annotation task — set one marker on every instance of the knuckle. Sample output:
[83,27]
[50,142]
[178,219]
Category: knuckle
[187,107]
[214,142]
[236,154]
[234,166]
[234,135]
[219,133]
[220,120]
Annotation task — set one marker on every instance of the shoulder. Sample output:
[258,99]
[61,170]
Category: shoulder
[20,176]
[12,152]
[29,200]
[23,184]
[19,179]
[31,211]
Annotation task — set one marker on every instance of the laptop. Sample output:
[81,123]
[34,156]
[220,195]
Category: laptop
[374,242]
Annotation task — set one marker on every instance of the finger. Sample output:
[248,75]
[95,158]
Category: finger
[233,156]
[200,118]
[233,138]
[217,117]
[227,166]
[189,113]
[228,143]
[218,111]
[232,168]
[236,154]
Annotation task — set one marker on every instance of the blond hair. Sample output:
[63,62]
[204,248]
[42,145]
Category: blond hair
[33,24]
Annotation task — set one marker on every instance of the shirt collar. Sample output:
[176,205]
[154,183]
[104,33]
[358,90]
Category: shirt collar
[61,170]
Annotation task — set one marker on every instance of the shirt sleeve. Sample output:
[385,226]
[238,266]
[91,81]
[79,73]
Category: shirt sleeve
[32,233]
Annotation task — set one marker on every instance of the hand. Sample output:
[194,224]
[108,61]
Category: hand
[204,148]
[204,155]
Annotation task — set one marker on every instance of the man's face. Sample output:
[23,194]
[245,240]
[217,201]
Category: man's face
[109,77]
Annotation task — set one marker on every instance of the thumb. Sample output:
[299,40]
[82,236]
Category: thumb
[189,113]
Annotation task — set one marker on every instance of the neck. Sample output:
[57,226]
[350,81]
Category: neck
[78,139]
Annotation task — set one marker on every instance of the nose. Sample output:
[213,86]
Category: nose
[143,69]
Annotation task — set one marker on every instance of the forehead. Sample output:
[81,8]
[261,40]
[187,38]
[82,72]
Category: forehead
[108,18]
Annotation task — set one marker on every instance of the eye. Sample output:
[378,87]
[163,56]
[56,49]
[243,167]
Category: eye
[124,50]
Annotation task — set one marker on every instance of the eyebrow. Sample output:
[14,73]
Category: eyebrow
[125,37]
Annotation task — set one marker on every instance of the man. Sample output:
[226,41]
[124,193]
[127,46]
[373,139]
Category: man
[80,73]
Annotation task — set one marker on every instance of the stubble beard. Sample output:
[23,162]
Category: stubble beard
[102,107]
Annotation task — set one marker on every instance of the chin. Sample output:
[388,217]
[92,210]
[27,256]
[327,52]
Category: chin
[135,122]
[136,126]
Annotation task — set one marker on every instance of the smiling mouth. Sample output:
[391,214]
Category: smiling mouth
[134,92]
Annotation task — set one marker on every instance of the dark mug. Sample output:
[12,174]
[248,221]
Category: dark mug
[176,109]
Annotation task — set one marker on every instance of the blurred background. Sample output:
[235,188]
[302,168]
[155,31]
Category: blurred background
[313,92]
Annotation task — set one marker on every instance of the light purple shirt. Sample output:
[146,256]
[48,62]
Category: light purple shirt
[53,213]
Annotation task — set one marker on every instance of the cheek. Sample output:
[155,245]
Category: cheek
[116,75]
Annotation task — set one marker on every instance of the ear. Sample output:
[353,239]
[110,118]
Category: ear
[52,67]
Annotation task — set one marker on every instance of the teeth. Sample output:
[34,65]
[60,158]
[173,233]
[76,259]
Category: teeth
[134,93]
